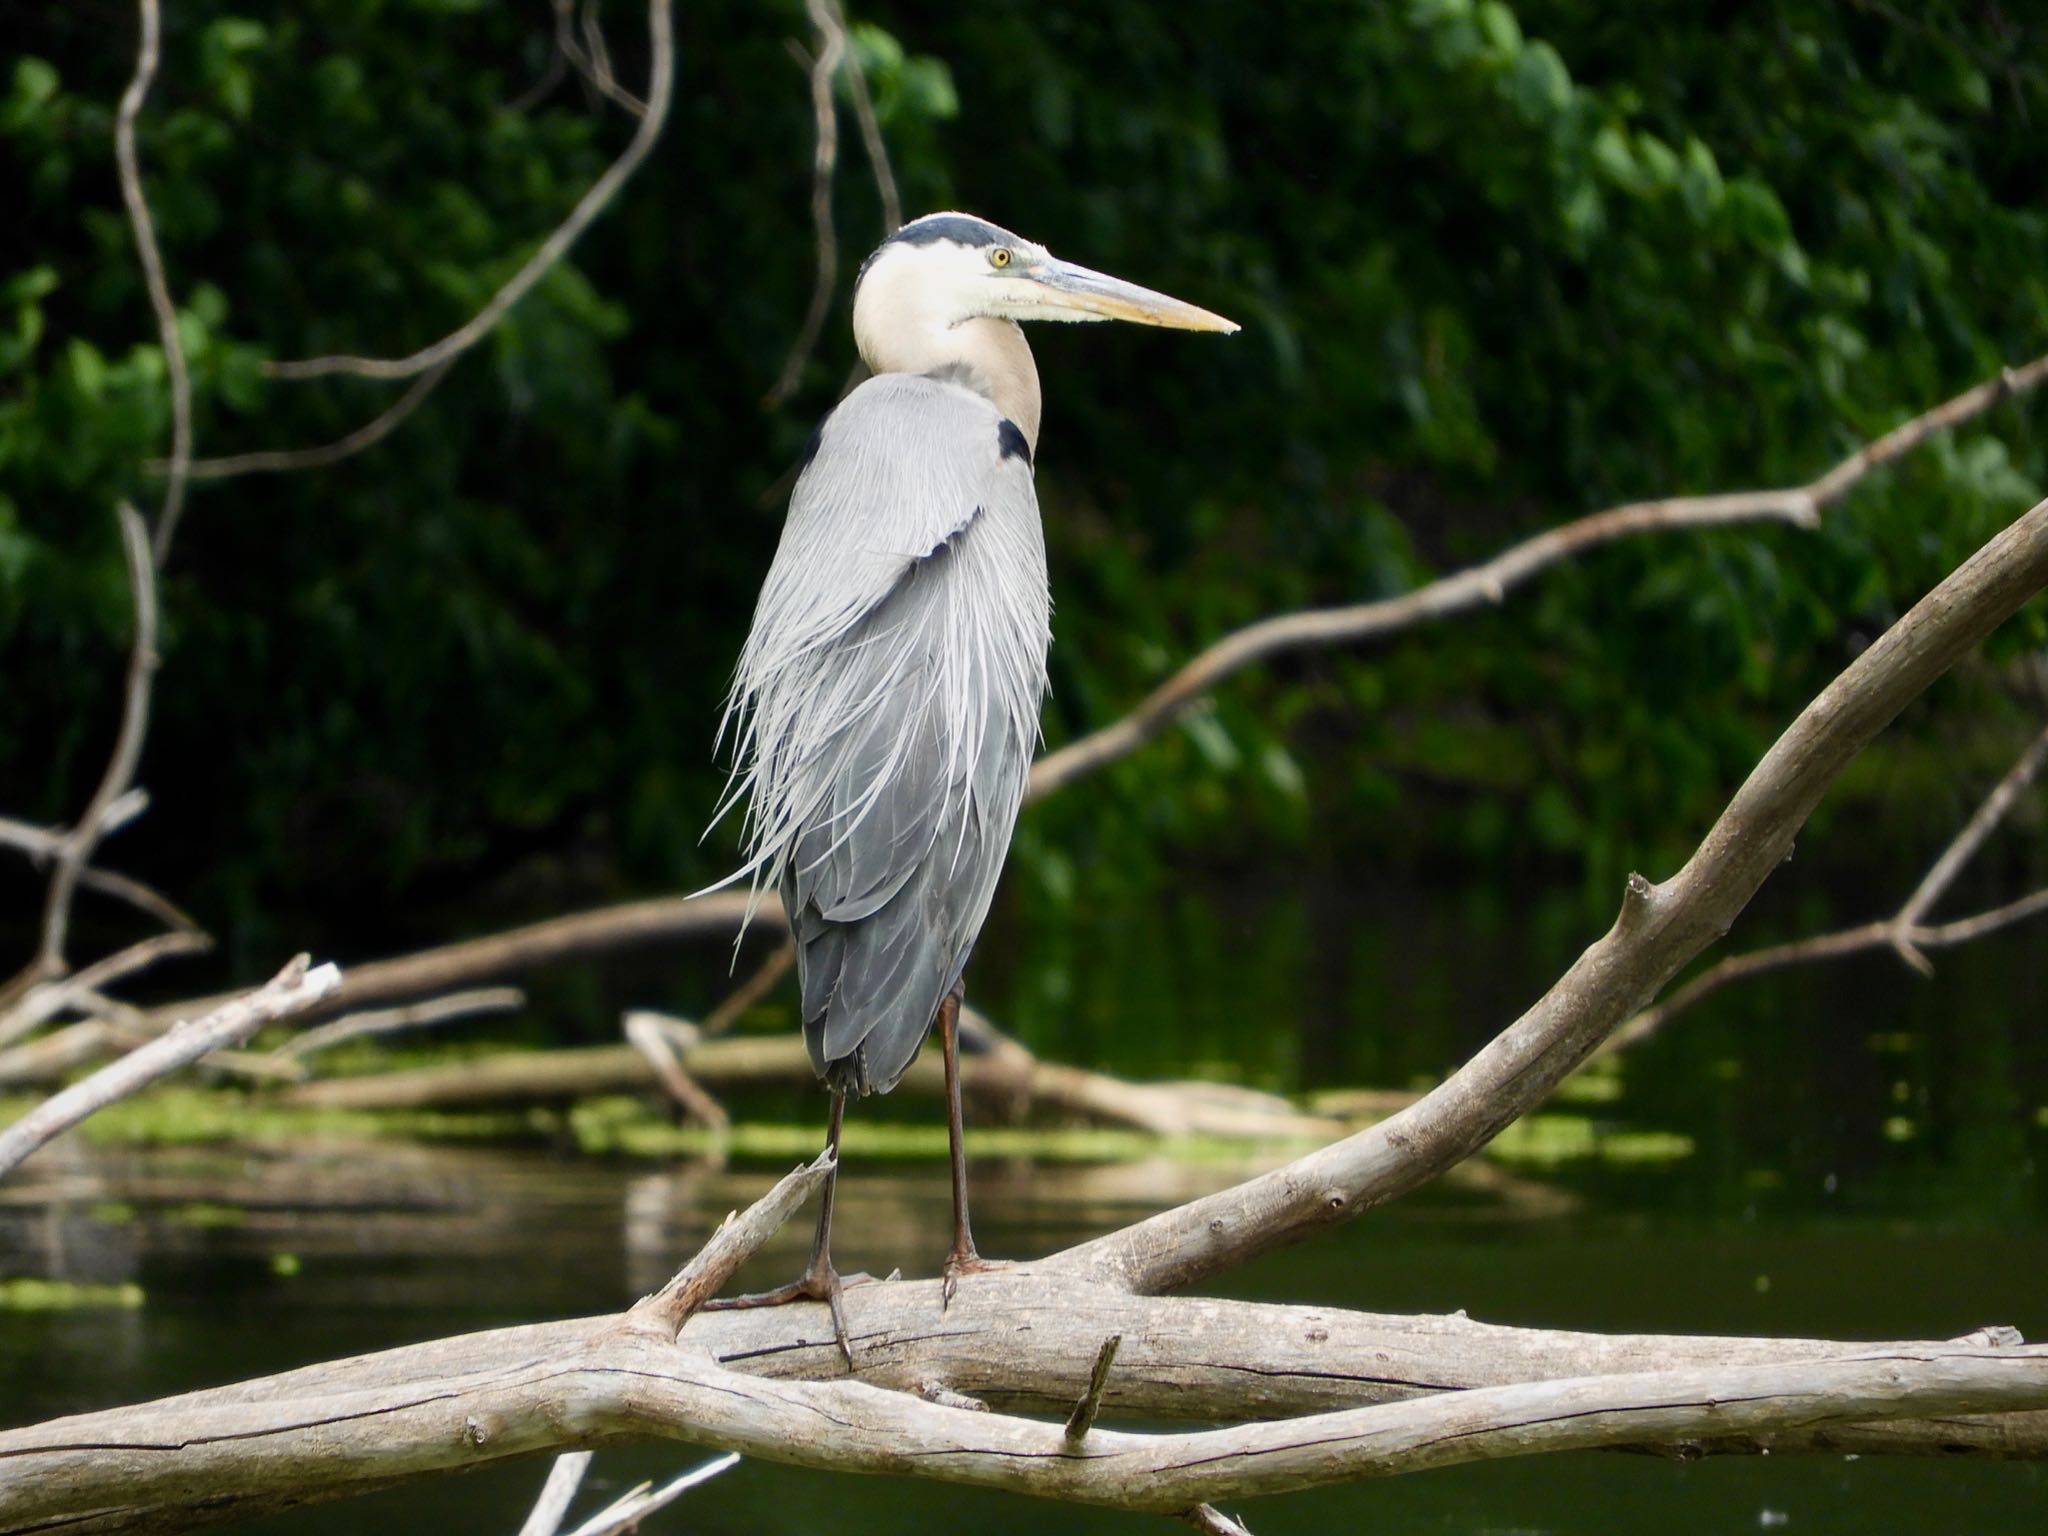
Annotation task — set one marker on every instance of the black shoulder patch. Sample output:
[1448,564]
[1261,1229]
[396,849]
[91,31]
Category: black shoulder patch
[1010,441]
[811,443]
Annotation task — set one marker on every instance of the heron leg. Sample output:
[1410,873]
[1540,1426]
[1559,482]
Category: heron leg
[819,1281]
[961,1259]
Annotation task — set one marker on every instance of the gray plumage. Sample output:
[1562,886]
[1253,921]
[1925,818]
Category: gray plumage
[886,707]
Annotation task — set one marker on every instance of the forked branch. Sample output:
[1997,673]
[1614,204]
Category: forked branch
[660,89]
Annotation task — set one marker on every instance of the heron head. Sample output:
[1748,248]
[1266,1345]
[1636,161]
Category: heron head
[945,269]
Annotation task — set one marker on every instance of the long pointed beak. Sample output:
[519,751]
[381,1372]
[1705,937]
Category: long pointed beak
[1059,290]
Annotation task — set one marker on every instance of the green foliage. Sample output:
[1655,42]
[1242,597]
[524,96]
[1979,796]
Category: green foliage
[1498,265]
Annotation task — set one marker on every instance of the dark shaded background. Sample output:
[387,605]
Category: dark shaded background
[1496,267]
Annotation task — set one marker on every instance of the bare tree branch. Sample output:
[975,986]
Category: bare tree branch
[661,79]
[564,1478]
[661,919]
[144,230]
[287,460]
[76,848]
[593,60]
[831,49]
[1659,929]
[663,1314]
[751,991]
[626,1513]
[871,138]
[142,1469]
[40,842]
[1904,932]
[658,1039]
[382,1021]
[1488,584]
[46,1000]
[293,988]
[1981,825]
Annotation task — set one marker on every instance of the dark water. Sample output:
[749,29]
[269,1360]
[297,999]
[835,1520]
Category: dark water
[1865,1164]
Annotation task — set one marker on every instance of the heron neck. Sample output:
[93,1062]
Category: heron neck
[984,354]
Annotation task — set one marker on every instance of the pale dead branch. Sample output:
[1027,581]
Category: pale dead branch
[659,920]
[661,79]
[41,843]
[1905,933]
[143,228]
[48,999]
[297,986]
[1005,1082]
[593,60]
[871,137]
[1486,585]
[288,460]
[659,1041]
[384,1021]
[663,1314]
[1212,1521]
[831,50]
[749,992]
[76,848]
[626,1513]
[141,1469]
[564,1478]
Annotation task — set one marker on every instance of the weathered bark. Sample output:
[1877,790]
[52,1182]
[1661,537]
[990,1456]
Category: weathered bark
[1338,1395]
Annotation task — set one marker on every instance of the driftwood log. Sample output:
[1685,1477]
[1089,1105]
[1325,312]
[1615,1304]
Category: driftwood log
[1309,1396]
[1005,1083]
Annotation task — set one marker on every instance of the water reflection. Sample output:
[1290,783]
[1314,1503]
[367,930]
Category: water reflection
[1865,1164]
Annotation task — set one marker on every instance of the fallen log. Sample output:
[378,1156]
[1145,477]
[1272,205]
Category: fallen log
[1006,1083]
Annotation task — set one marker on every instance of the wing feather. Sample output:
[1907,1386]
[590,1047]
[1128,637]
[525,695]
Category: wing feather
[885,710]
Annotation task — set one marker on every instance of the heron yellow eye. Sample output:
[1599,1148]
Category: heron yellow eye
[999,257]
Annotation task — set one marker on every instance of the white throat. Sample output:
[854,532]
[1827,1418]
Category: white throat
[917,310]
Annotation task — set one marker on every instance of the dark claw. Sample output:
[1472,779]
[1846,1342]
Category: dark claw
[817,1284]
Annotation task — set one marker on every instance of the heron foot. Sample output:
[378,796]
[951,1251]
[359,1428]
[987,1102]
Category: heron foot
[965,1261]
[818,1283]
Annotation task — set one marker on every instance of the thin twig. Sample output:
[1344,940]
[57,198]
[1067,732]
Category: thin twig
[299,985]
[41,842]
[45,1001]
[538,92]
[285,460]
[1980,826]
[661,79]
[665,1312]
[650,1035]
[1082,1419]
[1488,584]
[76,848]
[144,230]
[564,1478]
[1210,1520]
[871,139]
[750,991]
[594,62]
[1904,933]
[383,1021]
[626,1513]
[831,49]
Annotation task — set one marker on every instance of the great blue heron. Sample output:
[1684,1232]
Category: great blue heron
[887,698]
